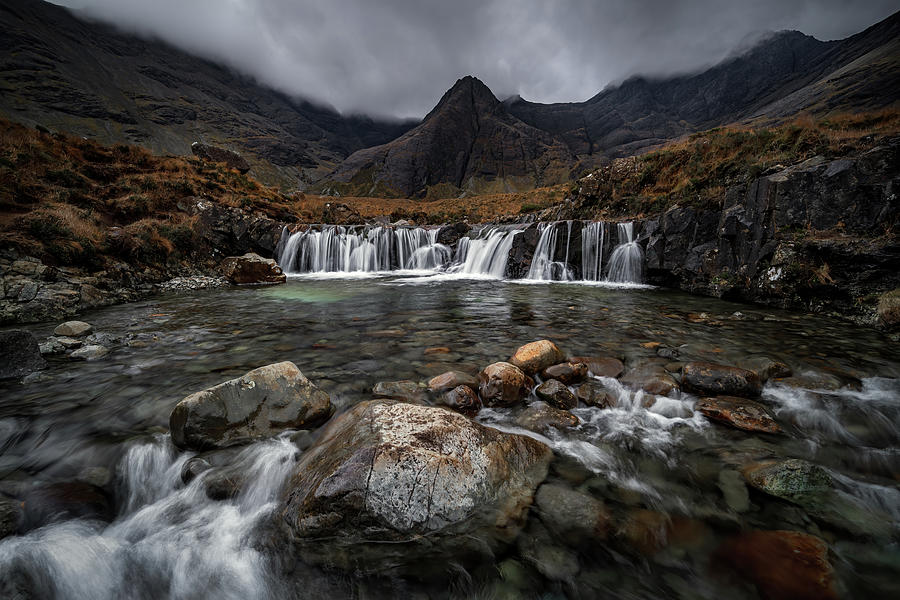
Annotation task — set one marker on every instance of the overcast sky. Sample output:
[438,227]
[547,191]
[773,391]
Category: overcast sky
[397,57]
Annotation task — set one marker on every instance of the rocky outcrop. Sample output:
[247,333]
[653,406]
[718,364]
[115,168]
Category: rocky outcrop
[259,404]
[337,213]
[19,354]
[395,485]
[228,231]
[231,159]
[252,269]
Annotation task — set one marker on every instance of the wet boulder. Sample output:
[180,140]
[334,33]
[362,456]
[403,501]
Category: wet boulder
[572,514]
[766,368]
[601,366]
[536,356]
[451,234]
[556,394]
[252,268]
[720,380]
[90,352]
[783,565]
[73,329]
[540,417]
[739,413]
[462,399]
[567,372]
[392,484]
[652,378]
[594,394]
[65,500]
[503,384]
[20,354]
[794,480]
[451,379]
[407,391]
[259,404]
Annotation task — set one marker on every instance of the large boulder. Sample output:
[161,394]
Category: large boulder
[19,354]
[503,384]
[720,380]
[252,268]
[259,404]
[232,160]
[536,356]
[739,413]
[392,484]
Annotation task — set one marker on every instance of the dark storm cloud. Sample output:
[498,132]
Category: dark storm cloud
[396,57]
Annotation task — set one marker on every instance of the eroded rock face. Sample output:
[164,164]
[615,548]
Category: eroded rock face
[503,384]
[259,404]
[19,354]
[567,372]
[784,565]
[739,413]
[392,484]
[252,268]
[720,380]
[534,357]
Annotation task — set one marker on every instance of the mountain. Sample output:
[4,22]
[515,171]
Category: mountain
[90,79]
[469,141]
[778,78]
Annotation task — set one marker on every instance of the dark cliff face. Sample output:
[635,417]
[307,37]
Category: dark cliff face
[469,137]
[780,77]
[93,80]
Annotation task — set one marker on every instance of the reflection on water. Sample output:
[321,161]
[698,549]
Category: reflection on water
[648,455]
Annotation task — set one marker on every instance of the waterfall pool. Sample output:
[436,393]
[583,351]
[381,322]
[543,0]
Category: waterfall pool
[669,478]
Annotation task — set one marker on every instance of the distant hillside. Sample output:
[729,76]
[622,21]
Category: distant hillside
[90,79]
[782,76]
[468,142]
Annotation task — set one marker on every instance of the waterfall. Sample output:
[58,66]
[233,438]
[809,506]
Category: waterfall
[486,254]
[592,251]
[544,266]
[627,259]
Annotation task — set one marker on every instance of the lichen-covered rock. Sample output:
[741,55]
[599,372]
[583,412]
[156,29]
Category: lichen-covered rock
[534,357]
[795,480]
[601,366]
[20,354]
[720,380]
[259,404]
[540,417]
[252,268]
[739,413]
[503,384]
[783,565]
[393,485]
[73,329]
[556,394]
[567,372]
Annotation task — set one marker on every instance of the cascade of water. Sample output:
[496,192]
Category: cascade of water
[488,253]
[627,259]
[592,251]
[544,267]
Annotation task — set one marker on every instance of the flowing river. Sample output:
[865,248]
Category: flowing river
[669,476]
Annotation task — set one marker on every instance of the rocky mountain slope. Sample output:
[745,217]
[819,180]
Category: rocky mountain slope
[468,141]
[89,79]
[780,77]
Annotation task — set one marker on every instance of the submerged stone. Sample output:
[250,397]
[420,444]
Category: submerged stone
[392,484]
[568,372]
[594,394]
[795,480]
[540,417]
[408,391]
[601,366]
[92,352]
[652,378]
[259,404]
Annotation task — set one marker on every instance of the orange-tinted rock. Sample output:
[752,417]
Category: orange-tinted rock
[534,357]
[567,372]
[437,350]
[720,380]
[784,565]
[503,384]
[601,366]
[739,413]
[451,379]
[462,399]
[645,531]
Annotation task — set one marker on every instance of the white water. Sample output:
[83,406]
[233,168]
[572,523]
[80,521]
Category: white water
[484,253]
[170,541]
